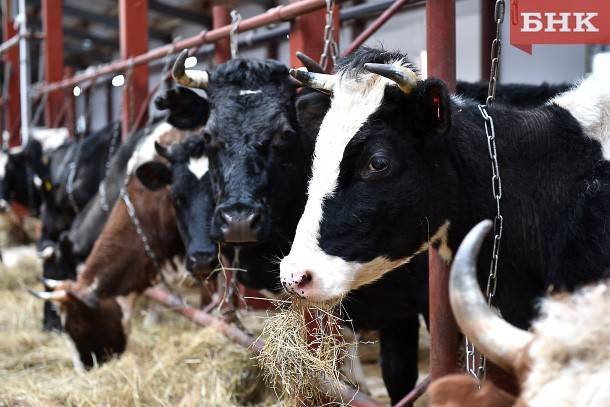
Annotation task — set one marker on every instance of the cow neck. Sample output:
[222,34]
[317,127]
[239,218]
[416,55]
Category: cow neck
[552,178]
[119,263]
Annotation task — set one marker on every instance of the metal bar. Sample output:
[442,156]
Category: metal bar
[238,336]
[133,22]
[220,18]
[444,332]
[377,24]
[414,394]
[440,40]
[274,15]
[10,43]
[24,73]
[488,33]
[53,56]
[11,59]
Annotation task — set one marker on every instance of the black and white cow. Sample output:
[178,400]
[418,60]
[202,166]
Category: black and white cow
[399,165]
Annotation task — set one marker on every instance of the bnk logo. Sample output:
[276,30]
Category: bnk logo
[559,22]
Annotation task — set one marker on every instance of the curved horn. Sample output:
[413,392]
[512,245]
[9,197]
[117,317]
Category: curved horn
[404,77]
[493,336]
[192,78]
[52,284]
[320,81]
[59,295]
[309,63]
[46,253]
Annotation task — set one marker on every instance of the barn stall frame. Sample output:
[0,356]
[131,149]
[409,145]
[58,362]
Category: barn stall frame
[305,34]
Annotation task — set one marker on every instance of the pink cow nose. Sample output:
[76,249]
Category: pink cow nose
[298,282]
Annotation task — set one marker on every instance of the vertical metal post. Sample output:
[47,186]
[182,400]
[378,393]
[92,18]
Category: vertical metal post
[54,57]
[221,17]
[24,73]
[307,34]
[444,332]
[440,40]
[11,59]
[133,23]
[488,33]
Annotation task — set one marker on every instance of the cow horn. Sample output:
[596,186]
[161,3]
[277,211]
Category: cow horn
[192,78]
[404,77]
[320,81]
[46,253]
[51,283]
[59,295]
[309,63]
[493,336]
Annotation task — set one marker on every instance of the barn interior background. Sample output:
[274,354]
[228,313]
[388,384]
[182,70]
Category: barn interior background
[171,360]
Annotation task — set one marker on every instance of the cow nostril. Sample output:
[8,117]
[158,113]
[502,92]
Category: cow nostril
[305,280]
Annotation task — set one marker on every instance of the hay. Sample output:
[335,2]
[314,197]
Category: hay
[301,369]
[170,364]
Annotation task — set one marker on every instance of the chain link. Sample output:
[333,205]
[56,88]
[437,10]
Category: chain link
[476,362]
[331,49]
[233,35]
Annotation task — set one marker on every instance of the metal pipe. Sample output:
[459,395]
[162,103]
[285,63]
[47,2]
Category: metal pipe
[238,336]
[10,43]
[24,74]
[377,24]
[440,40]
[444,332]
[414,394]
[274,15]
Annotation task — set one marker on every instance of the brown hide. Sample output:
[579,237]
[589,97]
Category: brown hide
[460,390]
[118,263]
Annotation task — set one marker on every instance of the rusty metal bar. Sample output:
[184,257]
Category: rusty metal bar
[274,15]
[414,394]
[54,56]
[12,107]
[238,336]
[220,18]
[377,24]
[444,332]
[133,23]
[440,40]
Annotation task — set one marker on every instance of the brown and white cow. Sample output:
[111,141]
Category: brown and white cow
[563,361]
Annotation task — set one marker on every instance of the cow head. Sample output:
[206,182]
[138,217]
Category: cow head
[21,176]
[256,155]
[96,329]
[185,109]
[192,196]
[370,207]
[58,261]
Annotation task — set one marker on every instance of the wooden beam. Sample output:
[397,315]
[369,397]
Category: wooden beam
[12,108]
[54,57]
[133,22]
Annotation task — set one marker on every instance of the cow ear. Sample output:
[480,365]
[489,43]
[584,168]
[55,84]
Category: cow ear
[311,109]
[434,105]
[186,109]
[154,175]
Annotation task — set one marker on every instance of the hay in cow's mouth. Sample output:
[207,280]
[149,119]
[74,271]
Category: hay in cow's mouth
[302,356]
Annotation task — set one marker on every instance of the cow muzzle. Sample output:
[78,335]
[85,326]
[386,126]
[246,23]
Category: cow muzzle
[239,224]
[200,262]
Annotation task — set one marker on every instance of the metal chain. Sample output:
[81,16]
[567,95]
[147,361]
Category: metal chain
[131,211]
[233,36]
[476,362]
[331,49]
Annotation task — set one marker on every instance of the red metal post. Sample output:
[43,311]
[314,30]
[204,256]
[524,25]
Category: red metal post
[488,33]
[444,332]
[307,33]
[133,22]
[220,18]
[440,40]
[11,59]
[54,57]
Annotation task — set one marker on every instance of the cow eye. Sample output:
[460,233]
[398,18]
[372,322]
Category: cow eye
[378,163]
[288,135]
[208,138]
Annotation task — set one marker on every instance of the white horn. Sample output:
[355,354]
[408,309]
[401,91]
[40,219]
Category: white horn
[46,253]
[319,81]
[192,78]
[404,77]
[494,337]
[58,295]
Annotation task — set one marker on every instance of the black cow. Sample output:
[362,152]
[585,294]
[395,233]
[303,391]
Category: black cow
[400,165]
[18,180]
